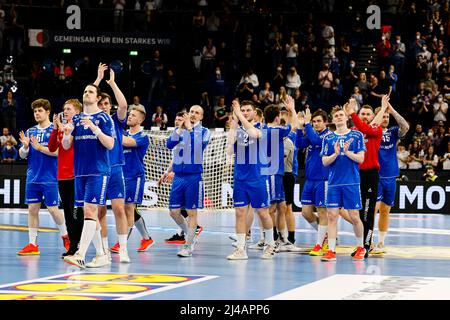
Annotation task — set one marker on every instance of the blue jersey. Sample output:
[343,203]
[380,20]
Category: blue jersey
[248,163]
[116,157]
[188,149]
[343,170]
[134,156]
[387,155]
[91,158]
[314,168]
[42,168]
[275,148]
[293,136]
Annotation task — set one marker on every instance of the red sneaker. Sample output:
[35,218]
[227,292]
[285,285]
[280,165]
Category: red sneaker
[329,256]
[29,250]
[66,242]
[115,248]
[145,244]
[359,254]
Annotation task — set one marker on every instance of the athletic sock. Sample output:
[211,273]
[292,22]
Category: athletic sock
[32,235]
[182,223]
[314,224]
[321,233]
[291,237]
[62,229]
[191,234]
[105,243]
[381,236]
[129,232]
[284,234]
[269,239]
[360,242]
[332,244]
[97,241]
[240,241]
[140,225]
[86,236]
[123,241]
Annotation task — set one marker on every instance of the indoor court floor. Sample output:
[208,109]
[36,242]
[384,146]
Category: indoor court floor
[416,265]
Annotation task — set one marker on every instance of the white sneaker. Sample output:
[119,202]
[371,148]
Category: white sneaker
[123,256]
[278,243]
[99,261]
[258,245]
[75,260]
[233,237]
[238,254]
[378,249]
[268,253]
[185,251]
[289,247]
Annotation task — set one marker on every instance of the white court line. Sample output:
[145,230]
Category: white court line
[187,283]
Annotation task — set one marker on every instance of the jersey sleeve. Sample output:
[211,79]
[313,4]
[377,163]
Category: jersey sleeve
[142,140]
[284,131]
[107,126]
[367,129]
[395,132]
[359,144]
[327,147]
[121,123]
[53,141]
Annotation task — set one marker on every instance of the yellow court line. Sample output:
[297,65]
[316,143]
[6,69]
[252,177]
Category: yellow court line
[10,227]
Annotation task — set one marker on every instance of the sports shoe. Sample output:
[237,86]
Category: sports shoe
[115,248]
[325,243]
[316,251]
[145,244]
[359,254]
[100,260]
[66,242]
[378,249]
[185,251]
[176,239]
[258,245]
[71,252]
[233,237]
[123,256]
[29,250]
[329,256]
[288,247]
[75,260]
[268,253]
[198,230]
[238,254]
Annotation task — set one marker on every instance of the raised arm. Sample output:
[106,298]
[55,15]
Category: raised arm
[120,98]
[251,130]
[402,123]
[232,135]
[384,106]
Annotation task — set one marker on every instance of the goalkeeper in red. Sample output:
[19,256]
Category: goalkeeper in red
[188,144]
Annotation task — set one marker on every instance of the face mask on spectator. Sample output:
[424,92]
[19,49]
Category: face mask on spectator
[352,65]
[440,99]
[383,38]
[418,37]
[424,48]
[278,69]
[217,72]
[8,147]
[398,40]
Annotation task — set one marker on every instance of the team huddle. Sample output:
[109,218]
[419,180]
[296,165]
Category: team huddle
[87,157]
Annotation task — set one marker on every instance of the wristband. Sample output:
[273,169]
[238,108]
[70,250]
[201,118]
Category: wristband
[97,131]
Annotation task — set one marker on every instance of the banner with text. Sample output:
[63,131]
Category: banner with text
[109,40]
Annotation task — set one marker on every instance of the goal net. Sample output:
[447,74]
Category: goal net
[217,172]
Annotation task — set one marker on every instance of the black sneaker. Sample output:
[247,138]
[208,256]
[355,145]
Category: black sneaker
[176,239]
[70,252]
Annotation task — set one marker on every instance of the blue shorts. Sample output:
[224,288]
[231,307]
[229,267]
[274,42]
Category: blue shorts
[314,193]
[347,197]
[116,184]
[386,190]
[90,189]
[255,193]
[186,192]
[134,190]
[35,192]
[276,188]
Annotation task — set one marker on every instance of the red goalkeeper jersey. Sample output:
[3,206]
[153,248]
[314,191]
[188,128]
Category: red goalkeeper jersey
[65,157]
[372,139]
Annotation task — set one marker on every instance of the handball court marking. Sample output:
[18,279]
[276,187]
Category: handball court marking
[74,285]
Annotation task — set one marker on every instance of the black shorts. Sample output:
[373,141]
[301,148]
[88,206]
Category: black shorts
[289,184]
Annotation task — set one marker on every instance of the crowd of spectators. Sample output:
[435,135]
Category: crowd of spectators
[256,50]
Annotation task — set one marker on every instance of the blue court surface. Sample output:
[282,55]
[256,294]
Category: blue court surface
[416,265]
